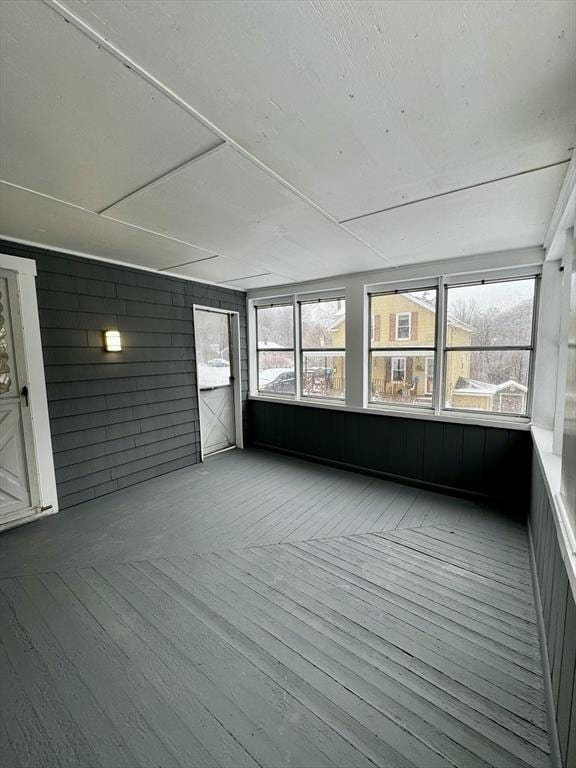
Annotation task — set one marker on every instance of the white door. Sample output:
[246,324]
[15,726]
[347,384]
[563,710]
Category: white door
[18,481]
[215,380]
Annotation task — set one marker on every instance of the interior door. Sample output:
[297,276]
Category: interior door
[18,483]
[215,381]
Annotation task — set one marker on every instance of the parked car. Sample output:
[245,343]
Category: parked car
[284,382]
[218,362]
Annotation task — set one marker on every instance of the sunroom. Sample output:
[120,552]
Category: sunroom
[287,384]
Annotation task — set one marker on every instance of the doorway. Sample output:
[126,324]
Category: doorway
[216,335]
[27,478]
[19,490]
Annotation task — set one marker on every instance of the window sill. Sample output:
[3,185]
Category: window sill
[406,413]
[551,465]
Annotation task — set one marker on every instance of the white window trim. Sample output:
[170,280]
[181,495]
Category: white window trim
[395,360]
[254,369]
[531,348]
[398,316]
[25,270]
[330,351]
[355,289]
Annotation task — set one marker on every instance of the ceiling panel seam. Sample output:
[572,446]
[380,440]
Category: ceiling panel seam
[61,9]
[163,176]
[454,191]
[111,218]
[47,196]
[186,263]
[116,262]
[250,277]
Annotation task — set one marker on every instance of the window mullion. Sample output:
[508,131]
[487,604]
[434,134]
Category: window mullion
[297,349]
[440,354]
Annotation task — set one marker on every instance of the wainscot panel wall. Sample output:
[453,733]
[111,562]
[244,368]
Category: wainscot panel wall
[120,418]
[455,458]
[558,613]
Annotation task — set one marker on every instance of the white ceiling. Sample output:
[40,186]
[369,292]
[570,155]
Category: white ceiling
[228,140]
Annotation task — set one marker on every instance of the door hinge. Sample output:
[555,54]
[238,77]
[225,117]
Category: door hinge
[24,394]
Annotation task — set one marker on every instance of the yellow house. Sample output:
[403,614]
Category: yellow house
[402,321]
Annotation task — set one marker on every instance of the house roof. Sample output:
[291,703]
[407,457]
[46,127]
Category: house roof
[452,320]
[269,345]
[466,386]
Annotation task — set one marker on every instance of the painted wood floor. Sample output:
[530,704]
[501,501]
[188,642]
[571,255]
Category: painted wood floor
[263,611]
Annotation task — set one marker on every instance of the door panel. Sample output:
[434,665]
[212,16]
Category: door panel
[217,417]
[15,425]
[215,382]
[14,487]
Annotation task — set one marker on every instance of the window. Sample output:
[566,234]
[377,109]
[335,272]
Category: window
[323,344]
[403,325]
[275,349]
[212,348]
[488,346]
[447,344]
[398,368]
[402,351]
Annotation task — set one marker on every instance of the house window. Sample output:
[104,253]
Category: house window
[406,340]
[489,346]
[403,325]
[275,349]
[398,368]
[322,348]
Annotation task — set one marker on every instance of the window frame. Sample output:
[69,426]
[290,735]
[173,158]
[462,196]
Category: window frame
[356,290]
[302,350]
[278,349]
[530,348]
[402,350]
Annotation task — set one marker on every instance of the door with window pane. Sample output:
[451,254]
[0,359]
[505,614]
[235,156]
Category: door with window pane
[215,382]
[18,481]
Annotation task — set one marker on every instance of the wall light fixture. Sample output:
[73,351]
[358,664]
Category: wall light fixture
[112,341]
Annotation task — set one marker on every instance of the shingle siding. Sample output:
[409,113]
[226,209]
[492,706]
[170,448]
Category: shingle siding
[120,418]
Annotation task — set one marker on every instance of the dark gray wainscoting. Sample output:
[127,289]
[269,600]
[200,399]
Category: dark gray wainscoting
[558,613]
[454,458]
[119,418]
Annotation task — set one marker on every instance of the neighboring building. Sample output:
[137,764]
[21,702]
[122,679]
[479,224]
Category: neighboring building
[403,321]
[508,397]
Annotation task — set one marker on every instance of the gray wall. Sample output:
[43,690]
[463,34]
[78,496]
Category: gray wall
[454,458]
[558,612]
[119,418]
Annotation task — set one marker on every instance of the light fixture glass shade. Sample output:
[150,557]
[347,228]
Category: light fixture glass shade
[112,341]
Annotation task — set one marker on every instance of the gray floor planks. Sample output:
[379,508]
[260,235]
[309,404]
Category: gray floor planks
[262,611]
